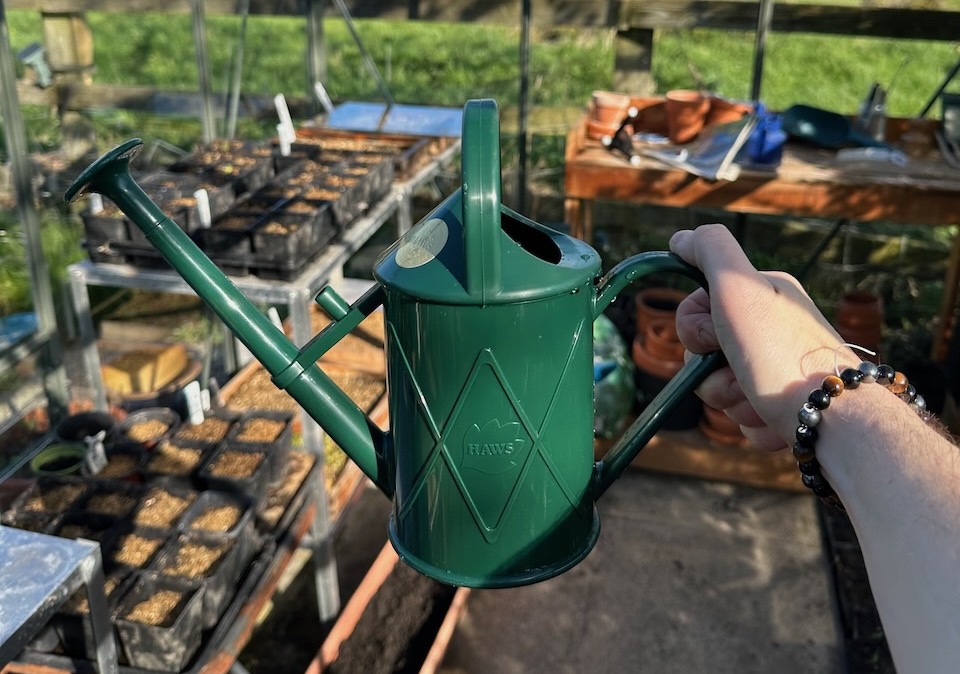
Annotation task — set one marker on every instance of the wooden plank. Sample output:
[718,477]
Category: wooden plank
[807,183]
[689,453]
[889,22]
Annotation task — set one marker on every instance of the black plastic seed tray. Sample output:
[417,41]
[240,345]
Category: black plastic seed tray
[292,238]
[267,431]
[238,471]
[346,196]
[134,546]
[377,175]
[109,498]
[72,622]
[219,512]
[159,622]
[175,464]
[163,504]
[208,433]
[49,496]
[242,166]
[215,560]
[38,522]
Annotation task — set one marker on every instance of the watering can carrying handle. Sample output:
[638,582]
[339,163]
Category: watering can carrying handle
[690,376]
[480,166]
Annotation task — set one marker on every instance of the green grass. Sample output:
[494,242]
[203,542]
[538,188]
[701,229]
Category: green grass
[446,64]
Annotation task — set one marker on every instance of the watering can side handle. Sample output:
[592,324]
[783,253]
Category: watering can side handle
[636,267]
[635,438]
[690,376]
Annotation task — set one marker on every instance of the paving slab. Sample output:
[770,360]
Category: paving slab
[688,576]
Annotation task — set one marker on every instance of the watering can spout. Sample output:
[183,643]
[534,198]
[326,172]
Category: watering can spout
[292,369]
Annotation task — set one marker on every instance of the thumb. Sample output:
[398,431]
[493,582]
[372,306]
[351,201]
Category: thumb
[713,250]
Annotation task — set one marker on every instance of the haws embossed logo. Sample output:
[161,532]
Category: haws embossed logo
[493,449]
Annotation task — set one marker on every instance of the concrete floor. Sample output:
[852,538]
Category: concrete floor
[688,576]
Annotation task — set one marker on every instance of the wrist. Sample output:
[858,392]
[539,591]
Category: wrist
[853,424]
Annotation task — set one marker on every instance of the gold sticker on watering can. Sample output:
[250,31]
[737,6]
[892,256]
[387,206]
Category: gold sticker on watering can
[422,243]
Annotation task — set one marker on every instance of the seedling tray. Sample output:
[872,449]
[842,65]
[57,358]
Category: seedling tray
[162,644]
[72,623]
[150,425]
[207,434]
[134,547]
[49,496]
[265,431]
[238,471]
[175,464]
[163,505]
[109,498]
[191,557]
[213,513]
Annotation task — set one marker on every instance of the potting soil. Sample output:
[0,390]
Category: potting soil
[398,627]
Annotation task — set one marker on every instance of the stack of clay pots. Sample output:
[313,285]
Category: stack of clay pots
[658,353]
[607,112]
[720,428]
[859,319]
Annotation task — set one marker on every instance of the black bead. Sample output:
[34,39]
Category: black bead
[809,467]
[806,436]
[803,454]
[885,374]
[910,394]
[813,481]
[851,378]
[819,399]
[823,490]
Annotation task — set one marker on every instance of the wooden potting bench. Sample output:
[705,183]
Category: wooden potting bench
[809,182]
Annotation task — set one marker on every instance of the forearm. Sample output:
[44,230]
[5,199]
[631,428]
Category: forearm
[899,480]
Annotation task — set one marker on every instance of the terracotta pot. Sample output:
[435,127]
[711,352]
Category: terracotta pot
[661,340]
[651,375]
[859,319]
[686,115]
[609,107]
[723,111]
[657,304]
[597,130]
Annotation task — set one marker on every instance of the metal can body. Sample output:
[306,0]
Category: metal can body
[491,409]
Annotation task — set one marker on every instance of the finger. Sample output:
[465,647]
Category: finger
[712,249]
[763,438]
[720,389]
[695,326]
[744,414]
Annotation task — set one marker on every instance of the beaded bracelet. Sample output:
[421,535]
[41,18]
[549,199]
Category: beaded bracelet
[819,399]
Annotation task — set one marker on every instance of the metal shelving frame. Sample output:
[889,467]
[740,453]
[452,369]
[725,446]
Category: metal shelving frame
[296,295]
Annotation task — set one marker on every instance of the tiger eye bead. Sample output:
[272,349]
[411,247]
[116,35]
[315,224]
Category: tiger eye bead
[885,374]
[900,382]
[819,399]
[869,371]
[833,385]
[851,378]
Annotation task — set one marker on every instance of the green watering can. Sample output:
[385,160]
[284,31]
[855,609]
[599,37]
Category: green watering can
[489,458]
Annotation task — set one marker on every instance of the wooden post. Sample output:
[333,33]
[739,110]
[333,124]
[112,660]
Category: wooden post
[632,62]
[68,41]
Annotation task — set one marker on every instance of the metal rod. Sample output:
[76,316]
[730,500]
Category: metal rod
[764,19]
[367,59]
[943,85]
[207,123]
[55,381]
[237,76]
[316,51]
[524,106]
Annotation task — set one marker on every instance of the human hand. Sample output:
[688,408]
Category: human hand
[777,343]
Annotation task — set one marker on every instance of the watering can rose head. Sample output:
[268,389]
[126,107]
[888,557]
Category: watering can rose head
[489,457]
